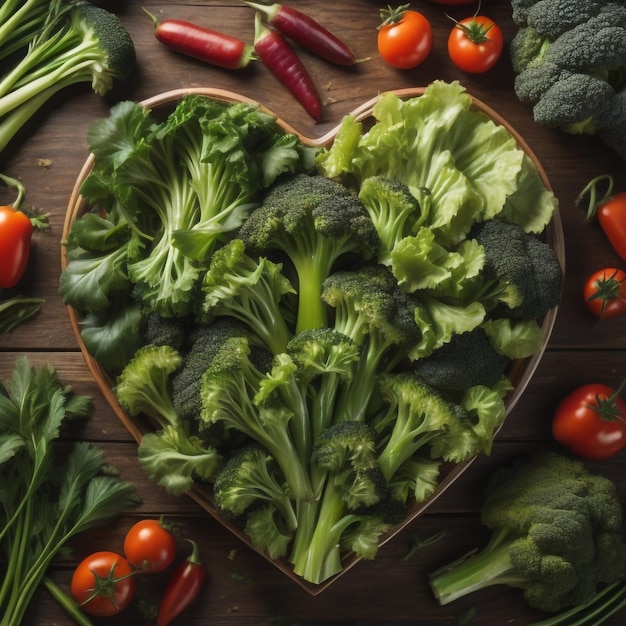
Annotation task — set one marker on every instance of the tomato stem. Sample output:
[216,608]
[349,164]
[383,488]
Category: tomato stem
[392,16]
[591,188]
[606,407]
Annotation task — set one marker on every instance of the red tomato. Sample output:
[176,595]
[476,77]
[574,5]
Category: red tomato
[605,293]
[103,583]
[612,218]
[591,422]
[150,546]
[610,211]
[405,38]
[475,44]
[16,230]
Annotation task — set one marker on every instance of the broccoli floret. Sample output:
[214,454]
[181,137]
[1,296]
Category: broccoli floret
[372,311]
[418,477]
[393,209]
[347,450]
[251,475]
[556,533]
[314,221]
[552,18]
[612,126]
[524,271]
[79,43]
[203,342]
[527,49]
[325,359]
[164,331]
[144,385]
[267,531]
[575,102]
[416,416]
[570,61]
[238,286]
[468,359]
[228,391]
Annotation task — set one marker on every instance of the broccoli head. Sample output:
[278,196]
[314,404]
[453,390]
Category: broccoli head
[314,221]
[570,60]
[556,533]
[524,272]
[468,359]
[78,43]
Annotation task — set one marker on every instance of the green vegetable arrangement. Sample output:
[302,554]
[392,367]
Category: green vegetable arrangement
[47,45]
[46,499]
[557,534]
[313,334]
[570,61]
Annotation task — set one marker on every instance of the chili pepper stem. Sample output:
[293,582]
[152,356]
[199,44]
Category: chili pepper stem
[16,184]
[591,188]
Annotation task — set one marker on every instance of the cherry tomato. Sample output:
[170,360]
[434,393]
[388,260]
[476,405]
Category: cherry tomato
[591,422]
[150,546]
[405,38]
[103,583]
[16,230]
[605,293]
[610,210]
[475,44]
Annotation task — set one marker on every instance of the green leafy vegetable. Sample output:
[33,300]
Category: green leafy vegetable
[45,500]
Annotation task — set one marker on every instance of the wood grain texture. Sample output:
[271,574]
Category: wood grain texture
[243,589]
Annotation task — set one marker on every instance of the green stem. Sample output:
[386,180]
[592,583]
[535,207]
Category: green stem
[491,566]
[66,603]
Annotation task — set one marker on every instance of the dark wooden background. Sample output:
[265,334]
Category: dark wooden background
[243,589]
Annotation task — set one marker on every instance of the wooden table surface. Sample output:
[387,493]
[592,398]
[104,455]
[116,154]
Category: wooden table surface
[243,588]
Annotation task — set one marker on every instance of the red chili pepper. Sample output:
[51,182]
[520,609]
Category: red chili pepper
[16,230]
[202,43]
[308,33]
[280,59]
[183,587]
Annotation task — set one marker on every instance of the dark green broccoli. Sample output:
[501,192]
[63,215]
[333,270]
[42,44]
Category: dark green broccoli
[372,311]
[393,209]
[202,344]
[314,221]
[557,534]
[229,391]
[520,271]
[468,359]
[238,286]
[570,61]
[164,331]
[552,18]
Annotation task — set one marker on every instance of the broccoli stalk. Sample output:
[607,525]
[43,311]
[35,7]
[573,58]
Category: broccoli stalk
[371,310]
[314,221]
[556,533]
[238,286]
[345,469]
[78,43]
[229,387]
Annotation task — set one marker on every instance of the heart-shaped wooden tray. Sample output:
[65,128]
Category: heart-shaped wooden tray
[520,372]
